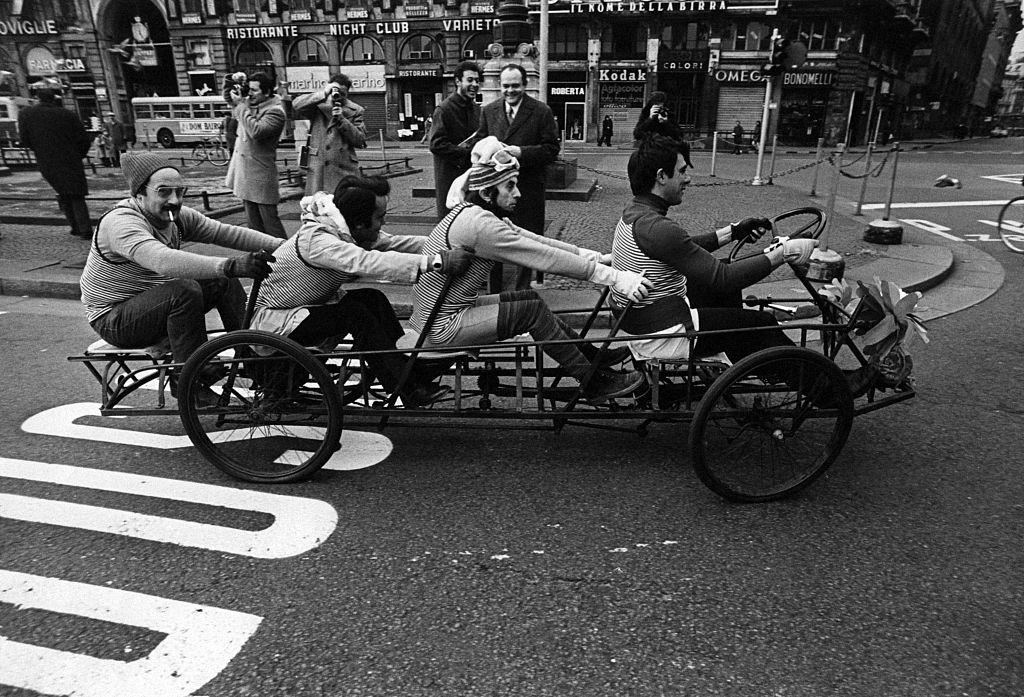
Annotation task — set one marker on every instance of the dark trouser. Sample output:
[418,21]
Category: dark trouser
[263,217]
[740,344]
[77,213]
[523,311]
[367,315]
[605,138]
[176,310]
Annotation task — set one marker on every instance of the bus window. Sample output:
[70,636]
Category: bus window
[5,113]
[202,111]
[143,111]
[173,121]
[161,111]
[181,111]
[221,110]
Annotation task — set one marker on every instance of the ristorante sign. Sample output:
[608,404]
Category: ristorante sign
[645,6]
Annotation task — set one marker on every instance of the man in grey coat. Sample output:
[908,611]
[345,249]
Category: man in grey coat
[336,129]
[252,174]
[529,128]
[455,120]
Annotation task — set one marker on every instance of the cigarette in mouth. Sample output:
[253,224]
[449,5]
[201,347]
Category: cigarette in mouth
[170,214]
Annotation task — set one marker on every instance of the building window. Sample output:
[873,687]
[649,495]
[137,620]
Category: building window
[306,51]
[624,42]
[752,36]
[820,34]
[476,47]
[192,6]
[199,52]
[685,37]
[419,48]
[253,54]
[362,50]
[568,42]
[248,6]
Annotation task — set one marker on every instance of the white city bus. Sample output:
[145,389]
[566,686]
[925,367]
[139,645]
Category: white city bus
[171,121]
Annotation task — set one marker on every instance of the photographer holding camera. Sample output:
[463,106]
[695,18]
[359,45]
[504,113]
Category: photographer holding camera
[252,173]
[655,119]
[336,129]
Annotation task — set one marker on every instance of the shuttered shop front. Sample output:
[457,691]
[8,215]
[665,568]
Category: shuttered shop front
[739,103]
[375,116]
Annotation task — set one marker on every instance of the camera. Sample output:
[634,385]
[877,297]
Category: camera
[337,99]
[237,85]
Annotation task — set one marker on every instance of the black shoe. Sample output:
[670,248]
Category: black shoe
[614,356]
[605,385]
[859,381]
[205,397]
[423,395]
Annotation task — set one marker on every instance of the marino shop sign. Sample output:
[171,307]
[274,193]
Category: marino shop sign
[27,27]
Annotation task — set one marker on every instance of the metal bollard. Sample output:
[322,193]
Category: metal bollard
[892,180]
[714,151]
[771,165]
[817,163]
[864,181]
[206,200]
[830,209]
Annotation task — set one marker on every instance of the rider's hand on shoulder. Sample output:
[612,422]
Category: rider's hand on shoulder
[750,229]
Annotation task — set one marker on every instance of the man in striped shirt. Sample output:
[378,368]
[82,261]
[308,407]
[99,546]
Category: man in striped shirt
[139,286]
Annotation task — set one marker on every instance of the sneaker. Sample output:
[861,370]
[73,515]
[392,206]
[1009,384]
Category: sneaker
[422,396]
[605,385]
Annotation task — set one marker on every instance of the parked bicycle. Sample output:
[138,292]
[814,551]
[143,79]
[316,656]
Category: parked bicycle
[210,150]
[1012,231]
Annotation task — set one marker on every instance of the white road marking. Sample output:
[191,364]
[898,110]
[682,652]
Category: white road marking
[934,228]
[359,449]
[1005,178]
[300,524]
[200,642]
[936,204]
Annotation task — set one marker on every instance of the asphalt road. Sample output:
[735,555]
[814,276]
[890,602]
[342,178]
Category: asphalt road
[466,562]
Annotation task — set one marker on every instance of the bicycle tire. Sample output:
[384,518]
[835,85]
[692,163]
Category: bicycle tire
[199,156]
[278,416]
[1011,235]
[219,156]
[755,440]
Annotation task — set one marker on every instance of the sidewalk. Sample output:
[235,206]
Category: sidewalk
[33,257]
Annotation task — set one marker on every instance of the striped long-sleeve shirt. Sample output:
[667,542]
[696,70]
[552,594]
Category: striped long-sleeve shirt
[130,254]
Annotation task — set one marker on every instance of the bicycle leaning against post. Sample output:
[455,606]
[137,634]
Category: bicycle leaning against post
[210,150]
[1012,231]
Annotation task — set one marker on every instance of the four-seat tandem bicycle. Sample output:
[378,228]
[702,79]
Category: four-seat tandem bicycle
[753,437]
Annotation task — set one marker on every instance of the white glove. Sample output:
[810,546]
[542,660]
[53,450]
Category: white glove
[797,252]
[633,285]
[592,255]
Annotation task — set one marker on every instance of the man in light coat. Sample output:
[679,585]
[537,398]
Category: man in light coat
[252,174]
[529,129]
[336,129]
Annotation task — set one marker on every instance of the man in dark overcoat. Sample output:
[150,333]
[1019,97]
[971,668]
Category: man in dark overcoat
[454,120]
[529,128]
[59,141]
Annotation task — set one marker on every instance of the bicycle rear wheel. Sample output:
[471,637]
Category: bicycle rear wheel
[1011,231]
[198,156]
[219,155]
[260,407]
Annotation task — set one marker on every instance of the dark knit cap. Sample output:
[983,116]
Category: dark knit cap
[138,167]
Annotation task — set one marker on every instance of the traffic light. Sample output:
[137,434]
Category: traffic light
[780,56]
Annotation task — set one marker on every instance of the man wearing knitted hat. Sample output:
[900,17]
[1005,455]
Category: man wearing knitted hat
[139,286]
[480,222]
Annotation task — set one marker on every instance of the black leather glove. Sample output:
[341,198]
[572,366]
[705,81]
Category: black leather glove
[454,262]
[750,229]
[250,265]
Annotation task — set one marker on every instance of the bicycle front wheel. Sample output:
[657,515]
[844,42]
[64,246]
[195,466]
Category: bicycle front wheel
[219,155]
[1012,231]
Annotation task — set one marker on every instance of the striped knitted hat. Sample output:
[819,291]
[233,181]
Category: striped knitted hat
[498,167]
[138,167]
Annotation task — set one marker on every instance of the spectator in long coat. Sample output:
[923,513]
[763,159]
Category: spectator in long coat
[252,173]
[336,130]
[455,120]
[59,141]
[532,136]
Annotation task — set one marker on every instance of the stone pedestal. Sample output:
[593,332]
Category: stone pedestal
[561,174]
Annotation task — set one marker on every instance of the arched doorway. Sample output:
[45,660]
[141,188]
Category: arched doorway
[136,34]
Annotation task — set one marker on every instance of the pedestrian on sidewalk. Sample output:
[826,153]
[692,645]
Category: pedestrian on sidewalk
[140,287]
[737,139]
[336,131]
[755,135]
[252,172]
[607,128]
[59,141]
[455,121]
[114,130]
